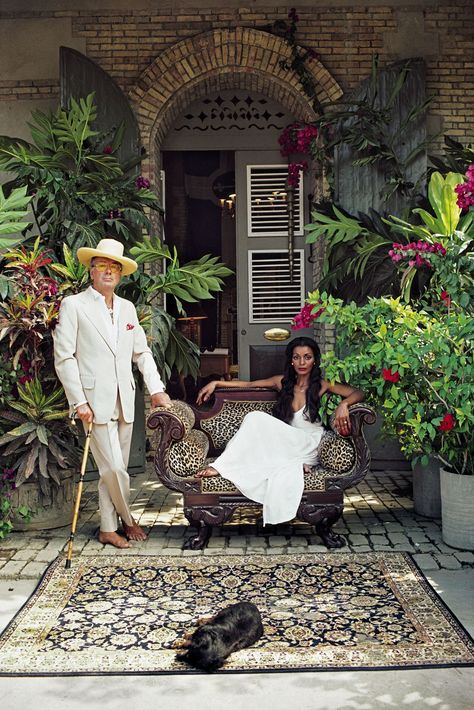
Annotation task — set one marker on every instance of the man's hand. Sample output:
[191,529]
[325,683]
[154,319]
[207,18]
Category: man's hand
[160,399]
[85,413]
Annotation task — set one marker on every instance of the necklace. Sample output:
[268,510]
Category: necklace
[302,388]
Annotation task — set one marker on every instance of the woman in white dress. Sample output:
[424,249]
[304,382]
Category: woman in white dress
[267,456]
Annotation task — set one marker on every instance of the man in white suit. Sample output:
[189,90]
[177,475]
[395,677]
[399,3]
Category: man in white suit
[95,342]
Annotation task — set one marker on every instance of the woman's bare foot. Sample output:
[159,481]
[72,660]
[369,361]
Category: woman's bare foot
[114,539]
[134,531]
[207,472]
[307,468]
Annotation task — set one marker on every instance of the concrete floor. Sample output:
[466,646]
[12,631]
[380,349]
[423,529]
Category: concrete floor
[441,689]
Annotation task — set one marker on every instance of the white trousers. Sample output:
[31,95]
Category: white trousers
[110,446]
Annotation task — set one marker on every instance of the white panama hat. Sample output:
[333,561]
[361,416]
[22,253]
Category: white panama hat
[108,249]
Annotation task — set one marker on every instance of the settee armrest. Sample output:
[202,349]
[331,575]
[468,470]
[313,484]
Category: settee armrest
[180,449]
[360,415]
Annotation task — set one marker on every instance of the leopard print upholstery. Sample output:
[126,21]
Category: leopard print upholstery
[314,480]
[336,454]
[187,456]
[224,425]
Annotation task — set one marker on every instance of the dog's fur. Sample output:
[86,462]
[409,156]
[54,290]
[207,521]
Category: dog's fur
[235,627]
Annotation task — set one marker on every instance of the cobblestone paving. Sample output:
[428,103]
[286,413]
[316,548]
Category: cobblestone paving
[378,515]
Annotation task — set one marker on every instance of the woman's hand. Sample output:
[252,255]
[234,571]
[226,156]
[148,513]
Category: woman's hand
[342,419]
[206,391]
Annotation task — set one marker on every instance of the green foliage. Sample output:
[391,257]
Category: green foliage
[415,366]
[7,486]
[443,225]
[457,157]
[80,193]
[356,261]
[42,441]
[12,210]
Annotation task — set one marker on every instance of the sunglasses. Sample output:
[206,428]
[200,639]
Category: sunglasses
[102,266]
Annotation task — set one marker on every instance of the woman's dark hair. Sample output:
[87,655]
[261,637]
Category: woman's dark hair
[283,406]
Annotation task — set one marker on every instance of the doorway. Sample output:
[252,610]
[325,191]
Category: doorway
[200,219]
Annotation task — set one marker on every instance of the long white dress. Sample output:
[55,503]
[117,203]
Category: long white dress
[265,458]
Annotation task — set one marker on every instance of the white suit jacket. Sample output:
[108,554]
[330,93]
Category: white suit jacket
[91,366]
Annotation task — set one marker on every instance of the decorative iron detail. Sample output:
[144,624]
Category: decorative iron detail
[233,111]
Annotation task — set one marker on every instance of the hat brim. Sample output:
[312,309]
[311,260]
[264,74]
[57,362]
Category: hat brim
[85,254]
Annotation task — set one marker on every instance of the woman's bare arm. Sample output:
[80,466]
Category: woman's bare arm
[350,395]
[206,391]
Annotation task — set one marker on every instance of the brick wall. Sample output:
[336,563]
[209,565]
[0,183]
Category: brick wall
[125,42]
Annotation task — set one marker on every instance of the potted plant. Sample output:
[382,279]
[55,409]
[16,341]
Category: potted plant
[78,193]
[414,356]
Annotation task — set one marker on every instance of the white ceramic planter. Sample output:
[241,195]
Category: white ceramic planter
[457,504]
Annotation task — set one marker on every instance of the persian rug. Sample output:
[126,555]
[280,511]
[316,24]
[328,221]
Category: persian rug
[117,615]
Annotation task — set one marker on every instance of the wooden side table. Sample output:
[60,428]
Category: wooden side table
[215,362]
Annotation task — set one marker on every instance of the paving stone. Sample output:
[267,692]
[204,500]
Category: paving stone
[361,548]
[465,556]
[405,547]
[426,562]
[12,570]
[278,551]
[378,539]
[173,552]
[298,542]
[358,539]
[317,548]
[25,554]
[33,570]
[277,541]
[448,562]
[46,555]
[217,542]
[396,538]
[172,542]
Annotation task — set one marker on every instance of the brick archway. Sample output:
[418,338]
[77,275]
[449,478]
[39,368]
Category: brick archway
[220,59]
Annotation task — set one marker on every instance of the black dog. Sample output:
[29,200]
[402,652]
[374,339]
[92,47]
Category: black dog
[233,628]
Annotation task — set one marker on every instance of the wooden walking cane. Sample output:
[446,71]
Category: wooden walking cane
[78,497]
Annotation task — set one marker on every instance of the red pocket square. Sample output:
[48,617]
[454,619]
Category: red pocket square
[130,326]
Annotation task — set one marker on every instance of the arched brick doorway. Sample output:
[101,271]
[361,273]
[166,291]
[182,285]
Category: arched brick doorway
[213,62]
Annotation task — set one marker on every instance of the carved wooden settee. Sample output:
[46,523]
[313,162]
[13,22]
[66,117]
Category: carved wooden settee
[185,437]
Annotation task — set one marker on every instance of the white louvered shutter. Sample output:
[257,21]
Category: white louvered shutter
[273,298]
[266,203]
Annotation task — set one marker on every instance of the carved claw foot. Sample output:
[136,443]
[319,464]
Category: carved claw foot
[200,541]
[331,539]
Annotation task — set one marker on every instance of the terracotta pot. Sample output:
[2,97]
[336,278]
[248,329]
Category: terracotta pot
[56,515]
[457,504]
[426,489]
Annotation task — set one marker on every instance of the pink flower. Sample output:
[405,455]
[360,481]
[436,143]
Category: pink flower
[448,423]
[305,317]
[130,326]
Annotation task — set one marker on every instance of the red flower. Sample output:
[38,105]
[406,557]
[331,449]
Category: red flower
[448,423]
[130,326]
[390,376]
[446,298]
[107,150]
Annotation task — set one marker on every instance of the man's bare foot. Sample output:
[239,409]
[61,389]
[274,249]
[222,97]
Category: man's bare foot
[207,472]
[134,531]
[113,538]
